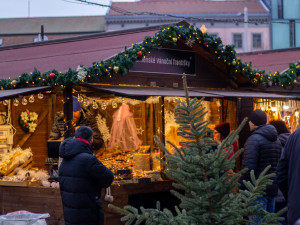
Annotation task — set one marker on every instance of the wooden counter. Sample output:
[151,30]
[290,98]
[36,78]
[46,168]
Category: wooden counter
[48,200]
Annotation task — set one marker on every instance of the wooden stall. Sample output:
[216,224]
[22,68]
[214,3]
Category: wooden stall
[149,89]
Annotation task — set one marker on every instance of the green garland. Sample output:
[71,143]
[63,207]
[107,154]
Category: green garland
[166,37]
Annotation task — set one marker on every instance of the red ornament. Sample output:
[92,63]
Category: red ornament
[139,54]
[205,43]
[257,75]
[26,124]
[52,75]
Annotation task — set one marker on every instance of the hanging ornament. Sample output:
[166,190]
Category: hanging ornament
[205,43]
[114,104]
[14,82]
[24,101]
[233,63]
[16,102]
[295,81]
[80,98]
[52,75]
[31,99]
[116,69]
[103,106]
[5,102]
[174,39]
[95,105]
[139,54]
[257,75]
[40,96]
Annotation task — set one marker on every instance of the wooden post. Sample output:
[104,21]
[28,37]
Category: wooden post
[68,111]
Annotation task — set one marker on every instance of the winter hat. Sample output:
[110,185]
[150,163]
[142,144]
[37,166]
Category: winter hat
[258,117]
[223,129]
[84,132]
[76,104]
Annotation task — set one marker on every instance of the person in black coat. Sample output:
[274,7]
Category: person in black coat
[283,135]
[81,178]
[288,175]
[262,148]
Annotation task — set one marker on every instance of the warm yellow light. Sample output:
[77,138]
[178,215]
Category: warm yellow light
[286,107]
[274,109]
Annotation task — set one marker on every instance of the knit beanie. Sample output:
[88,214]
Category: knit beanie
[76,104]
[84,132]
[223,129]
[258,117]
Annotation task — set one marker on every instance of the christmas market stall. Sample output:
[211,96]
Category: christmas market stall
[131,94]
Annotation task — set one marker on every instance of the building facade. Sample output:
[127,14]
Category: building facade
[244,23]
[285,23]
[27,30]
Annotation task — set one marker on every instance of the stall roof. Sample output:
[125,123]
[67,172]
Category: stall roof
[271,60]
[149,91]
[13,93]
[193,92]
[62,54]
[245,94]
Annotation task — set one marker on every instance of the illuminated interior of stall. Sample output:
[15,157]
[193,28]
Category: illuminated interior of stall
[148,120]
[287,111]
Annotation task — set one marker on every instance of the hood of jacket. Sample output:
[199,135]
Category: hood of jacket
[72,147]
[283,138]
[268,131]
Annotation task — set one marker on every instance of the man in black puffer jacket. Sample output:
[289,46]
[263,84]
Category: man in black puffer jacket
[262,148]
[81,178]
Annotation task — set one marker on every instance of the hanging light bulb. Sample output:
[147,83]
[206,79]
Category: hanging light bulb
[31,99]
[95,105]
[114,104]
[40,96]
[16,102]
[5,102]
[24,101]
[80,98]
[103,106]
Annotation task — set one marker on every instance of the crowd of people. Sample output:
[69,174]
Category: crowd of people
[271,143]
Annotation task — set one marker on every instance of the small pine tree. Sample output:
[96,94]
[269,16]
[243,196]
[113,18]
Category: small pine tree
[201,170]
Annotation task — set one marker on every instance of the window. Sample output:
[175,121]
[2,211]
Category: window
[256,41]
[238,40]
[122,25]
[1,42]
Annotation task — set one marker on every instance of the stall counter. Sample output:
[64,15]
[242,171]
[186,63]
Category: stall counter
[48,200]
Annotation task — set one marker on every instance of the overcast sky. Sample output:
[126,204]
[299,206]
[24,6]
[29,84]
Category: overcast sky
[46,8]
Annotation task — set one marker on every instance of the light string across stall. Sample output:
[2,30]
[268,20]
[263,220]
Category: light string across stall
[165,37]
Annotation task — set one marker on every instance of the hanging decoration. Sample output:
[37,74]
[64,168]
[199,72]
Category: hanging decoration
[24,101]
[40,96]
[165,37]
[52,75]
[31,99]
[28,121]
[101,122]
[16,102]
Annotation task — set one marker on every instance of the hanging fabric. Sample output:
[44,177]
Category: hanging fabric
[123,132]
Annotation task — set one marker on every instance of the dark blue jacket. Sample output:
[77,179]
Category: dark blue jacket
[81,178]
[262,148]
[288,175]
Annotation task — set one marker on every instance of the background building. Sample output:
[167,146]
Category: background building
[285,23]
[25,30]
[224,19]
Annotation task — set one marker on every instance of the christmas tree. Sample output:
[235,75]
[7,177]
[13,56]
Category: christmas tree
[201,169]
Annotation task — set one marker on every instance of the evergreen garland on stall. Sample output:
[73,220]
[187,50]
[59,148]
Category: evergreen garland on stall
[165,37]
[202,171]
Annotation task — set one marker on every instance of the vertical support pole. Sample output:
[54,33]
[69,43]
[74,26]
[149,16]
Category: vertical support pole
[68,111]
